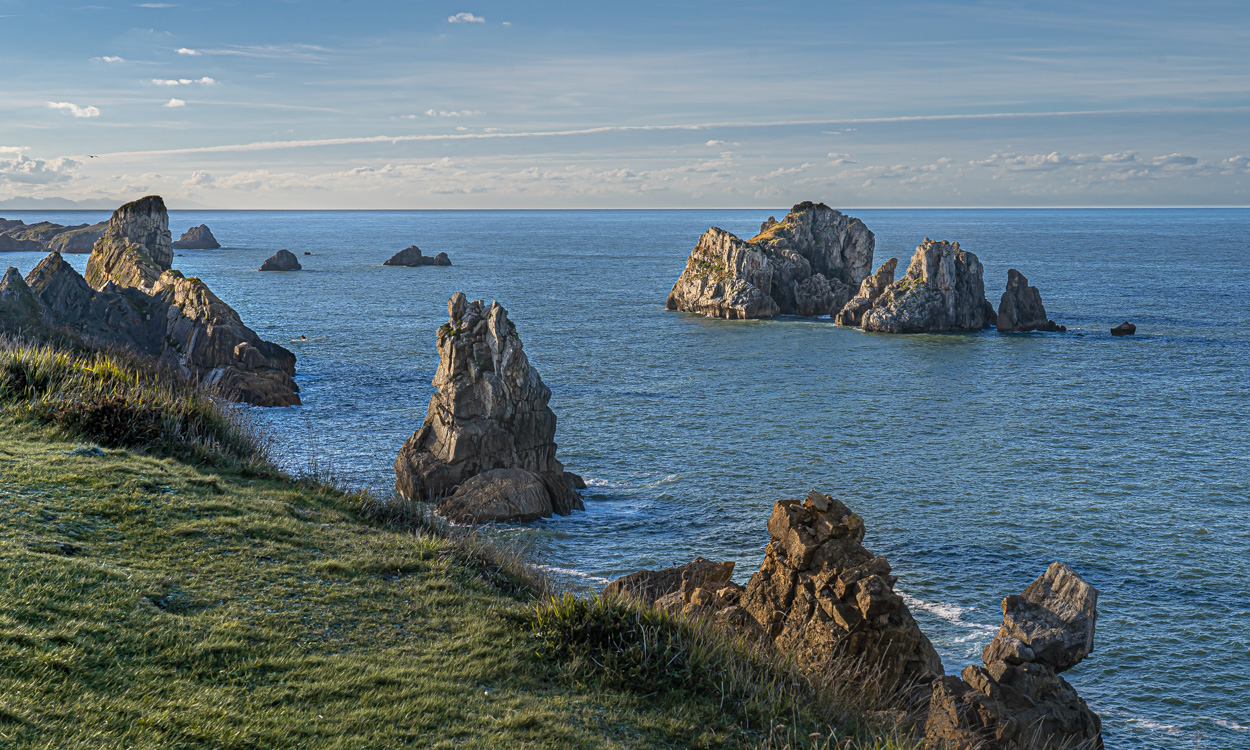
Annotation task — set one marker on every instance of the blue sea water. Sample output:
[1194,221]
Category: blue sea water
[974,459]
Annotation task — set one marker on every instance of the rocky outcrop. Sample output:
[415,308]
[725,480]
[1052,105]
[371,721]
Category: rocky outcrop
[1124,329]
[498,495]
[1021,309]
[197,238]
[165,316]
[19,310]
[489,411]
[647,586]
[943,290]
[1018,701]
[809,263]
[283,260]
[869,290]
[16,235]
[411,256]
[135,248]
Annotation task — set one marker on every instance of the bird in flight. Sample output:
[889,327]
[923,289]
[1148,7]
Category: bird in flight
[92,156]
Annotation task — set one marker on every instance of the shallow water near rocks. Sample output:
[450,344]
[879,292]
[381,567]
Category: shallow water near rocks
[974,459]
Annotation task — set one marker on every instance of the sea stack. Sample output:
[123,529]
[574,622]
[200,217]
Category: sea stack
[197,238]
[943,290]
[869,290]
[489,412]
[1021,309]
[1018,701]
[135,248]
[411,256]
[283,260]
[810,263]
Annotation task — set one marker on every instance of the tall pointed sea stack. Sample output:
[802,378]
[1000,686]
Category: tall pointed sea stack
[489,413]
[1021,308]
[943,290]
[809,263]
[136,247]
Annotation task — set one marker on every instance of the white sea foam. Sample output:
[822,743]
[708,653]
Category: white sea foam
[952,613]
[1233,725]
[1155,726]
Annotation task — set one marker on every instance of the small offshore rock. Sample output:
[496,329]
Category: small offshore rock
[197,238]
[1124,329]
[411,256]
[283,260]
[1021,308]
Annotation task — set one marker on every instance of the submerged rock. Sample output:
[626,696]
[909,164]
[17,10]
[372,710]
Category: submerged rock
[489,411]
[283,260]
[1018,701]
[943,290]
[809,263]
[869,290]
[1124,329]
[411,256]
[1021,307]
[197,238]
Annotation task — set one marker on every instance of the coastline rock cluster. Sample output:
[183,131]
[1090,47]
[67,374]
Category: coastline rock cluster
[46,237]
[197,238]
[486,450]
[283,260]
[411,256]
[942,290]
[809,263]
[130,297]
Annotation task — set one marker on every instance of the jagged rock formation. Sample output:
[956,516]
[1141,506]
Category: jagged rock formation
[197,238]
[647,586]
[142,305]
[283,260]
[498,495]
[489,412]
[19,310]
[869,290]
[1021,309]
[16,235]
[1018,701]
[1124,329]
[943,290]
[411,256]
[809,263]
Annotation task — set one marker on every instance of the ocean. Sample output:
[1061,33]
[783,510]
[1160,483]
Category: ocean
[974,459]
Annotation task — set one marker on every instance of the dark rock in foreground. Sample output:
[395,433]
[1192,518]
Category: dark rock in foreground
[197,238]
[1018,701]
[1021,309]
[283,260]
[1124,329]
[809,263]
[17,235]
[489,411]
[411,256]
[943,290]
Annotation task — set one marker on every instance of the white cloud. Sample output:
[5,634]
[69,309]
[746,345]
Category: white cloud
[175,103]
[451,113]
[714,143]
[199,178]
[27,171]
[75,110]
[506,23]
[465,18]
[187,51]
[155,5]
[1175,160]
[108,59]
[184,81]
[840,159]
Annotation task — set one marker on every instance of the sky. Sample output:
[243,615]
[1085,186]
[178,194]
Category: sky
[413,104]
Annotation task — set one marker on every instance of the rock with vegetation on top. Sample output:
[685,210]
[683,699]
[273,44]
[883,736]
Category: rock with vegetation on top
[1124,329]
[809,263]
[489,411]
[1018,701]
[142,305]
[1021,307]
[283,260]
[869,290]
[197,238]
[411,256]
[943,290]
[16,235]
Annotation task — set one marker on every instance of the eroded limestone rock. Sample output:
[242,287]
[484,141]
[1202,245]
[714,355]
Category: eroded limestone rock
[197,238]
[648,586]
[1021,309]
[135,248]
[943,290]
[809,263]
[489,412]
[869,290]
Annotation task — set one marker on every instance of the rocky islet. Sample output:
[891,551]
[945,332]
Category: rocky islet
[47,237]
[411,256]
[283,260]
[197,238]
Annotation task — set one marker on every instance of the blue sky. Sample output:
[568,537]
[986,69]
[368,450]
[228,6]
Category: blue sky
[337,104]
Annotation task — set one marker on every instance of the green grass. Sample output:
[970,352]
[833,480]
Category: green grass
[150,601]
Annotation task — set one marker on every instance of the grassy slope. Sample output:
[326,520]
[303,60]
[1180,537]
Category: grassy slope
[146,603]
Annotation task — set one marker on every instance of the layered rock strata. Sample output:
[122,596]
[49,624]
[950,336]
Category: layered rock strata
[139,303]
[942,290]
[809,263]
[197,238]
[411,256]
[1021,308]
[283,260]
[489,411]
[869,290]
[1018,701]
[17,235]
